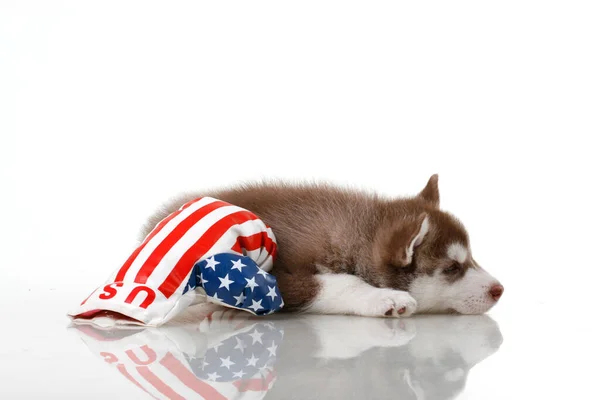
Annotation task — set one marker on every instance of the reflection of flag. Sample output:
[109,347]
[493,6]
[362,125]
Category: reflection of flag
[168,363]
[152,285]
[249,355]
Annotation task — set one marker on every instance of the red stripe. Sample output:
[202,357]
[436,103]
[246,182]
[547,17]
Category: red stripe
[127,265]
[173,237]
[254,385]
[126,374]
[189,379]
[255,242]
[158,383]
[202,245]
[274,253]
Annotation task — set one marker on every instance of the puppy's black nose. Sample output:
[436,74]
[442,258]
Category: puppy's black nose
[496,291]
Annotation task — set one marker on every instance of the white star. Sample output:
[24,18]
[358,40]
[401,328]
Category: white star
[272,349]
[204,363]
[216,297]
[190,288]
[239,374]
[262,272]
[251,284]
[239,299]
[211,263]
[272,293]
[240,344]
[202,280]
[225,282]
[226,362]
[256,305]
[256,336]
[252,361]
[238,265]
[213,377]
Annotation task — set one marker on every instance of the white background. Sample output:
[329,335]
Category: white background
[108,108]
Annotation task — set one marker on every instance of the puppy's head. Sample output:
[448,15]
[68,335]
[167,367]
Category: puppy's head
[426,251]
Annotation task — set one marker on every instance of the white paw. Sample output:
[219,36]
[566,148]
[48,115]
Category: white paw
[389,303]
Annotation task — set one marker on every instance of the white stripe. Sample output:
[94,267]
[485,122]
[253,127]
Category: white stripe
[160,236]
[178,293]
[256,255]
[262,257]
[271,235]
[142,381]
[267,264]
[165,266]
[228,240]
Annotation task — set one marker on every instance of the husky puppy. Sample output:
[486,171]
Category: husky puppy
[342,251]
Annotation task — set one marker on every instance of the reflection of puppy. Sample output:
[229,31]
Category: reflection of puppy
[431,359]
[334,342]
[209,352]
[347,252]
[445,349]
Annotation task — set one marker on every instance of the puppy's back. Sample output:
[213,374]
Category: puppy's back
[310,221]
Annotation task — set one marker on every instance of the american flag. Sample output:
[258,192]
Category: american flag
[154,284]
[234,361]
[236,281]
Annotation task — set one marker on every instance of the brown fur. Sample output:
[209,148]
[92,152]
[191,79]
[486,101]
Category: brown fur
[323,227]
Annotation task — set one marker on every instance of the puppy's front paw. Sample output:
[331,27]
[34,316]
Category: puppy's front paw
[390,303]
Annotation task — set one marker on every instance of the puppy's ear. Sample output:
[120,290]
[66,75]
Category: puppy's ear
[396,245]
[431,193]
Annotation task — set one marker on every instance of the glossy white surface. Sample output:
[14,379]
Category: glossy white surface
[108,108]
[508,354]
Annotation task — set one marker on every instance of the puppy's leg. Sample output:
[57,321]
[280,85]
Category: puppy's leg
[348,294]
[335,343]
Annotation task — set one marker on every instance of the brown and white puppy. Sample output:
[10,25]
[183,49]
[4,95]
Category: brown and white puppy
[342,251]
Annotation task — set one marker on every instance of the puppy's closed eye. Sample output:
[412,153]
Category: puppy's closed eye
[453,269]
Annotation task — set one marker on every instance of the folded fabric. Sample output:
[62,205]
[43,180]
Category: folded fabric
[207,250]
